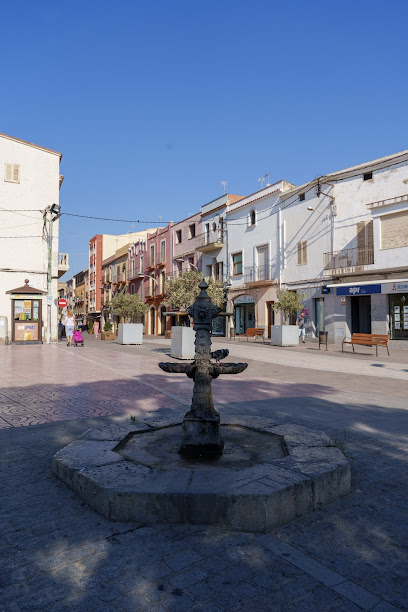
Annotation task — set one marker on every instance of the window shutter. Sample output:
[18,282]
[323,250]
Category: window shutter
[394,230]
[9,172]
[304,252]
[16,173]
[299,254]
[370,235]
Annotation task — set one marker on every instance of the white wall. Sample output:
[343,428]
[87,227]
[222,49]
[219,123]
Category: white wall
[27,257]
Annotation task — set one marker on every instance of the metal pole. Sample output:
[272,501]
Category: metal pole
[49,296]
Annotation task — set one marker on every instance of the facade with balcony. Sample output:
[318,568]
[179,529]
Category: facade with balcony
[344,245]
[185,238]
[80,305]
[252,259]
[149,262]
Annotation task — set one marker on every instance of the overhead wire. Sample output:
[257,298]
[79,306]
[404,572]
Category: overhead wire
[117,220]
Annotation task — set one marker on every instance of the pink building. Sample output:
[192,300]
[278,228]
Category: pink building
[149,263]
[184,241]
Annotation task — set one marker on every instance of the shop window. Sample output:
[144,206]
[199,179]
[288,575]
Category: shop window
[237,263]
[399,316]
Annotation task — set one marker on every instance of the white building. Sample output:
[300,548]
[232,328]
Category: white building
[29,184]
[253,260]
[346,248]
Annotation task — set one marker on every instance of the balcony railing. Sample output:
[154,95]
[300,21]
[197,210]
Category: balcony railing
[210,240]
[254,274]
[348,258]
[63,263]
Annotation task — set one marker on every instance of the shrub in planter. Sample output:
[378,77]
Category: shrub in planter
[90,327]
[288,303]
[126,307]
[107,333]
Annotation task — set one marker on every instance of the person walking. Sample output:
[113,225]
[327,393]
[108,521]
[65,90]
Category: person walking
[301,324]
[96,328]
[69,327]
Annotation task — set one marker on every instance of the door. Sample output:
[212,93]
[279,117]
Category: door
[152,321]
[319,315]
[361,314]
[270,317]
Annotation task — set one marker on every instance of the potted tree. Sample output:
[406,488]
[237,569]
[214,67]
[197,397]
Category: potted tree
[127,307]
[180,293]
[107,333]
[289,302]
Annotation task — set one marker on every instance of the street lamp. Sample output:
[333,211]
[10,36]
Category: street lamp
[51,214]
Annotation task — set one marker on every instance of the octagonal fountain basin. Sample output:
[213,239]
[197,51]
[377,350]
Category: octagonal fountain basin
[269,474]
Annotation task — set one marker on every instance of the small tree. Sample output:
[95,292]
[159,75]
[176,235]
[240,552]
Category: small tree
[289,302]
[127,306]
[181,292]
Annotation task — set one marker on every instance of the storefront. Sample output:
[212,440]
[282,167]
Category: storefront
[244,313]
[26,315]
[398,309]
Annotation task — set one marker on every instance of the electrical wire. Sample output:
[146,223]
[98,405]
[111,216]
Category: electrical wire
[13,237]
[118,220]
[17,212]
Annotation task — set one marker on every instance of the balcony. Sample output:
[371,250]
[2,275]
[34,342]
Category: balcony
[209,241]
[256,276]
[136,274]
[151,262]
[63,263]
[348,261]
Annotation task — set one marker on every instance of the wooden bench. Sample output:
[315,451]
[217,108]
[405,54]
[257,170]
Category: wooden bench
[367,340]
[253,332]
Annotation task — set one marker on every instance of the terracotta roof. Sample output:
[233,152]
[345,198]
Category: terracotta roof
[30,144]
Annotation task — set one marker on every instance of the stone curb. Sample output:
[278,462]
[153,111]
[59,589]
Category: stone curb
[255,498]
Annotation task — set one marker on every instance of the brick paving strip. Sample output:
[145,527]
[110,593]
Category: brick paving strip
[59,555]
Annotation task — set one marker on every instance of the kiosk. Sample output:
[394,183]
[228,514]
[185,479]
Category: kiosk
[26,314]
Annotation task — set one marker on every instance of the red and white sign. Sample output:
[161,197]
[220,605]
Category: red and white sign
[62,303]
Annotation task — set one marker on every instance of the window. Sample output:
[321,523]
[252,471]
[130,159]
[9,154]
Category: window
[220,271]
[141,264]
[252,218]
[163,251]
[394,230]
[367,176]
[209,270]
[214,227]
[12,174]
[302,253]
[365,243]
[237,264]
[301,197]
[192,230]
[152,255]
[178,236]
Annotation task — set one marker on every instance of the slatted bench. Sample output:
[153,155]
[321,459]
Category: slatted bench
[253,332]
[367,340]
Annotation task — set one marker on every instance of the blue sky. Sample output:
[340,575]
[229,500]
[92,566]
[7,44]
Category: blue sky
[154,103]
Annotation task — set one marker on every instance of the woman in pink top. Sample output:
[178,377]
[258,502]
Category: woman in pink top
[96,328]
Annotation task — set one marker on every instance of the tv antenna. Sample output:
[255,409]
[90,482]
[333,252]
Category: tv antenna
[160,218]
[261,180]
[224,184]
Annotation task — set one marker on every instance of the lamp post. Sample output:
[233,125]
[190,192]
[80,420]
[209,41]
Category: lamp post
[51,214]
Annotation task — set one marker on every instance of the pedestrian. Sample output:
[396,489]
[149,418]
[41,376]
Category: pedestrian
[96,328]
[301,324]
[60,330]
[69,327]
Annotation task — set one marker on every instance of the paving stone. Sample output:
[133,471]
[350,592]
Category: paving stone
[357,594]
[183,560]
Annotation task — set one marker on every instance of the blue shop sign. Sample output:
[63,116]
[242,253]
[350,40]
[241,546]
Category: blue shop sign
[358,290]
[325,290]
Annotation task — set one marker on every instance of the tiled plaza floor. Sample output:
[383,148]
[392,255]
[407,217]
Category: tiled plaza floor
[59,555]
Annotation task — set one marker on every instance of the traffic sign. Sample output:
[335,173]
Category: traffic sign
[62,303]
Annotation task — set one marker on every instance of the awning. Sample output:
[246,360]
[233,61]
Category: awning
[371,282]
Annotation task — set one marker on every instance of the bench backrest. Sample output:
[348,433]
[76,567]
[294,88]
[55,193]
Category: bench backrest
[376,338]
[255,331]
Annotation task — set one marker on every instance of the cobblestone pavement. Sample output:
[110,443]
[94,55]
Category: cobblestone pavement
[58,555]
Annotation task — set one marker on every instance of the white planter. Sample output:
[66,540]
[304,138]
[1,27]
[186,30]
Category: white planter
[284,335]
[130,333]
[182,342]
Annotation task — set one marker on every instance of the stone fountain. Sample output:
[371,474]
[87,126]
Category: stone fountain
[248,473]
[201,432]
